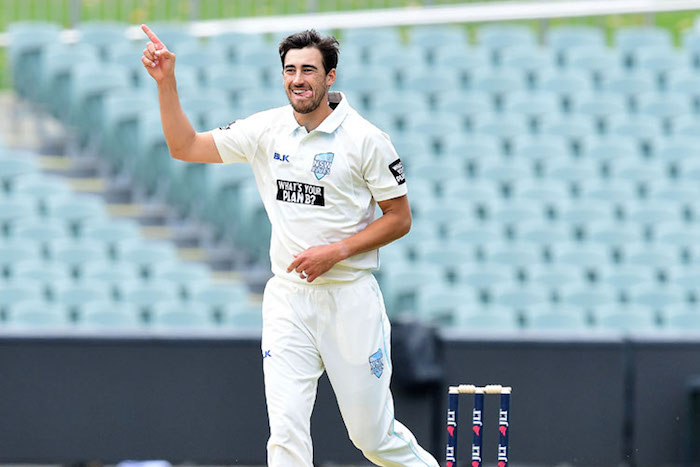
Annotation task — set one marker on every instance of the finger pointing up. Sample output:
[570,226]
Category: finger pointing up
[152,36]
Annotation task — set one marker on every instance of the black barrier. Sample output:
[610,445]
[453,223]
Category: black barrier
[200,399]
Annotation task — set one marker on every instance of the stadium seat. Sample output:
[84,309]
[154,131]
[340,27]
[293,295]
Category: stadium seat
[502,126]
[15,164]
[574,171]
[89,86]
[16,209]
[398,61]
[437,125]
[145,295]
[434,38]
[623,276]
[218,295]
[520,297]
[552,193]
[108,316]
[513,254]
[561,39]
[504,170]
[15,292]
[653,296]
[425,82]
[16,250]
[542,233]
[179,316]
[146,254]
[110,271]
[654,255]
[101,35]
[465,61]
[613,233]
[127,55]
[556,320]
[516,211]
[41,187]
[599,105]
[72,296]
[575,128]
[551,276]
[28,41]
[581,255]
[472,148]
[368,38]
[76,209]
[586,296]
[527,59]
[682,318]
[631,39]
[541,149]
[497,37]
[400,285]
[484,275]
[564,83]
[503,320]
[446,255]
[59,64]
[112,233]
[625,320]
[628,83]
[593,62]
[439,303]
[661,61]
[651,213]
[498,82]
[38,270]
[39,230]
[233,43]
[243,317]
[533,105]
[37,316]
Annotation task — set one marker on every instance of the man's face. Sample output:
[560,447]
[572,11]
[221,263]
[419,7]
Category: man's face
[305,79]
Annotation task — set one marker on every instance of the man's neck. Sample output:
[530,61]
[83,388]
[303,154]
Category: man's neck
[312,120]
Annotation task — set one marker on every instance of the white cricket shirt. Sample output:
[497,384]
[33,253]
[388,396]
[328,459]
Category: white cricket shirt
[319,187]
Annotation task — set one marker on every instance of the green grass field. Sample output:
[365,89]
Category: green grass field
[140,11]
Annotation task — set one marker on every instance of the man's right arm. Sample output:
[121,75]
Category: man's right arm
[183,141]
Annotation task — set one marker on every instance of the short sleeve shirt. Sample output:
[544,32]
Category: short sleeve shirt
[318,187]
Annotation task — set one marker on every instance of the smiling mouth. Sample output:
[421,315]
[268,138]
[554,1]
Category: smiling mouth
[302,92]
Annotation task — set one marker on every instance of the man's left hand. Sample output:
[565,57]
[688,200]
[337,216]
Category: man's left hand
[315,261]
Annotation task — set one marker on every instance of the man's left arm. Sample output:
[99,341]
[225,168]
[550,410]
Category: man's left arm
[392,225]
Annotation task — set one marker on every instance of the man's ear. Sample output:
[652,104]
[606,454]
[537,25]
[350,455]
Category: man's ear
[330,77]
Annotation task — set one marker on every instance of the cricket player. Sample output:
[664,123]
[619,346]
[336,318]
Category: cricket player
[320,169]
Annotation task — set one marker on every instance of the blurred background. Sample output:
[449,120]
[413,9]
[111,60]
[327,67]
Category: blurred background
[552,152]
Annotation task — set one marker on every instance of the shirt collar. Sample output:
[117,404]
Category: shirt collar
[331,122]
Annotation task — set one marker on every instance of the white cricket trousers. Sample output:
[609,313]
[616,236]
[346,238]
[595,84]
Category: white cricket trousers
[342,329]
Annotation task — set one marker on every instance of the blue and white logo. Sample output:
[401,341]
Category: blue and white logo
[376,363]
[322,164]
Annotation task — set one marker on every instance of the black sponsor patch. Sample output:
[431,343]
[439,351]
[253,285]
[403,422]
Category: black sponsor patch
[300,193]
[396,168]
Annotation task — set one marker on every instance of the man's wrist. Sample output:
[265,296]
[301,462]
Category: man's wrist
[343,250]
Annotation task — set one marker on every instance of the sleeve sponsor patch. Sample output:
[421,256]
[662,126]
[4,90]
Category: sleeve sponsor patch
[300,193]
[396,168]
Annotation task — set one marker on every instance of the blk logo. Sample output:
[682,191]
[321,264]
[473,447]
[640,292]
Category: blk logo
[281,157]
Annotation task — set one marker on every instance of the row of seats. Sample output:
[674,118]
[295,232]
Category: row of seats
[109,316]
[65,263]
[567,157]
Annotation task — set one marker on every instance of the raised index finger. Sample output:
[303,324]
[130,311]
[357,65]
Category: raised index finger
[152,36]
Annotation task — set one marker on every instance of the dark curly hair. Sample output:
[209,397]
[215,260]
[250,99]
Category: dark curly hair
[328,46]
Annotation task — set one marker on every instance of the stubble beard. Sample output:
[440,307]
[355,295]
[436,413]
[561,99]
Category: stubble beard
[308,107]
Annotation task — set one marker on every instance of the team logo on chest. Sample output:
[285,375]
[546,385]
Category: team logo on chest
[376,363]
[322,164]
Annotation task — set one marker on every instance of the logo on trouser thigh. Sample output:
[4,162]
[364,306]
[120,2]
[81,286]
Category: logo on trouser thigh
[376,363]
